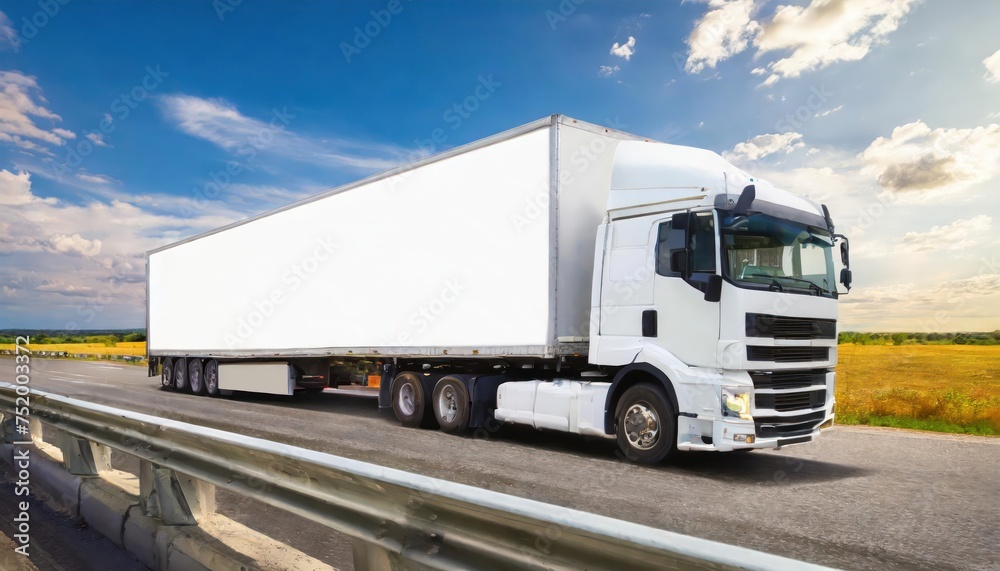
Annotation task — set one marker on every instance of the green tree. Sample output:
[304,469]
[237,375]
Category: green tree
[898,338]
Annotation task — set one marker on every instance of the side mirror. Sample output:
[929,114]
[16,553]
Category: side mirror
[845,257]
[713,292]
[845,278]
[678,261]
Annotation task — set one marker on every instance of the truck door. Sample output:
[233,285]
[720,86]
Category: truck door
[687,255]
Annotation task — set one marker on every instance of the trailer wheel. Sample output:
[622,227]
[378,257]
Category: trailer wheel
[211,377]
[180,374]
[196,378]
[167,375]
[645,424]
[451,404]
[409,402]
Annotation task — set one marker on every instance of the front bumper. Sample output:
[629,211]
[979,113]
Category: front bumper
[729,435]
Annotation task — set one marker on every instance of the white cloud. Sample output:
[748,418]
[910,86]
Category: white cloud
[97,139]
[75,244]
[21,103]
[724,31]
[764,145]
[916,158]
[624,50]
[958,235]
[826,32]
[220,123]
[7,34]
[829,111]
[94,178]
[607,70]
[807,37]
[992,64]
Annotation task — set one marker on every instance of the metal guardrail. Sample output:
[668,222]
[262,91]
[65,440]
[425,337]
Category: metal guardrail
[398,520]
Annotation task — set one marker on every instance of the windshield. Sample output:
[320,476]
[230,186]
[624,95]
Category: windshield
[767,252]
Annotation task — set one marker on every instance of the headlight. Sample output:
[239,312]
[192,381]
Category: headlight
[735,403]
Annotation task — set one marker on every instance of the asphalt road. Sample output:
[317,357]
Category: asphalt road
[859,498]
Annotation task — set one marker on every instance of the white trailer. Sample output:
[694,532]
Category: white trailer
[561,275]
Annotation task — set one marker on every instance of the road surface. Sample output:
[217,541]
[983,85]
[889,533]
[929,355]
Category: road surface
[859,498]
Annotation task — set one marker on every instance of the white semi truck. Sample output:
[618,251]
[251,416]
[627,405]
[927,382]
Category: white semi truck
[560,275]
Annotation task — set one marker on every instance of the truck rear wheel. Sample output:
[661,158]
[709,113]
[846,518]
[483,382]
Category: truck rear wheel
[196,378]
[167,374]
[645,424]
[180,374]
[451,404]
[211,377]
[409,402]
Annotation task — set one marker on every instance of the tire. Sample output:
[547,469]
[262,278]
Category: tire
[210,376]
[645,424]
[196,378]
[451,405]
[167,374]
[180,374]
[409,402]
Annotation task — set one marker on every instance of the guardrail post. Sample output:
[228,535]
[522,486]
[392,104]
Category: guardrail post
[175,498]
[373,557]
[82,457]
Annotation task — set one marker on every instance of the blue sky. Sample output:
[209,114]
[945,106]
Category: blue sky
[116,117]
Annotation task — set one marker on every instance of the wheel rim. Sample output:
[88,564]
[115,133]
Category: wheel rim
[407,399]
[642,426]
[448,404]
[168,376]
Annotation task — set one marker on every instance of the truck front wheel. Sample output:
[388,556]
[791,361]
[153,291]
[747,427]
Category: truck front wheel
[645,424]
[410,403]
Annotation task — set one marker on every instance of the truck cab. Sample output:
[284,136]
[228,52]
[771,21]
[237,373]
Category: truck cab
[718,291]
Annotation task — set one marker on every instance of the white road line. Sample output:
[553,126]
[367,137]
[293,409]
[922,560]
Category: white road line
[105,366]
[68,380]
[75,374]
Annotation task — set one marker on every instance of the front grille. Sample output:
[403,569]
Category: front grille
[780,426]
[787,402]
[788,379]
[781,327]
[788,354]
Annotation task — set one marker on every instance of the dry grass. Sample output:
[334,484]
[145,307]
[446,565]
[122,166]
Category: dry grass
[947,388]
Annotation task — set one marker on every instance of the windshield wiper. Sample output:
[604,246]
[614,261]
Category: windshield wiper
[772,286]
[813,288]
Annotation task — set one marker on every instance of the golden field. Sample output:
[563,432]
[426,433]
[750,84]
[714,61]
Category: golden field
[948,388]
[125,348]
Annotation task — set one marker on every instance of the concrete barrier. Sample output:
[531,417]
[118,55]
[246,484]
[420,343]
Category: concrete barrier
[112,504]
